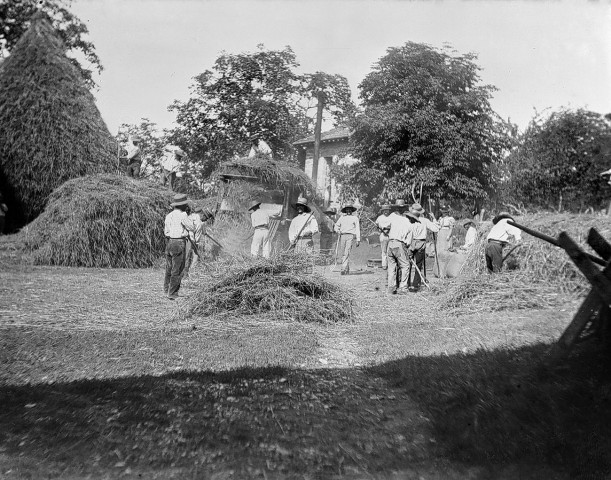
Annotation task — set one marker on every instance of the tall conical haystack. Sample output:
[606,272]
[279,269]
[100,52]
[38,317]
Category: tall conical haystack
[50,129]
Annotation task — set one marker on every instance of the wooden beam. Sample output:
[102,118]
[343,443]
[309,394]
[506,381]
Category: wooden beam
[599,244]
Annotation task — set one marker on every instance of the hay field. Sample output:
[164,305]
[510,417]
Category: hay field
[103,354]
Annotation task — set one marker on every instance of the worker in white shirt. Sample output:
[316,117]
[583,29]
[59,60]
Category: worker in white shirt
[192,248]
[259,147]
[133,157]
[418,246]
[471,235]
[177,227]
[399,240]
[446,229]
[349,230]
[170,165]
[261,243]
[383,223]
[498,238]
[303,227]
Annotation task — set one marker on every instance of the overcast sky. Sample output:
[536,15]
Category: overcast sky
[538,54]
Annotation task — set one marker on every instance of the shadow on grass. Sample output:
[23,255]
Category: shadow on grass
[493,408]
[506,405]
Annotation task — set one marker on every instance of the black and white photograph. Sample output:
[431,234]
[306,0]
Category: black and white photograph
[305,239]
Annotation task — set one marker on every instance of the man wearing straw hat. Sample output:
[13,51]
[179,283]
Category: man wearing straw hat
[349,230]
[170,165]
[177,227]
[470,236]
[260,222]
[497,239]
[418,247]
[399,240]
[303,227]
[383,223]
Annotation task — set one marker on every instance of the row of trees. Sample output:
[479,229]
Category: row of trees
[425,119]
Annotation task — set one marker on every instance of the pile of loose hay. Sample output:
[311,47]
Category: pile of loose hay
[244,285]
[100,221]
[537,274]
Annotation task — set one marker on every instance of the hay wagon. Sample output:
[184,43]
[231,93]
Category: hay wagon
[277,185]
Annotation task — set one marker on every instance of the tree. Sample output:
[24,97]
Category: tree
[15,19]
[559,160]
[426,119]
[243,97]
[332,93]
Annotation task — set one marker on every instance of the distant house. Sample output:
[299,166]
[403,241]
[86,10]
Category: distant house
[334,146]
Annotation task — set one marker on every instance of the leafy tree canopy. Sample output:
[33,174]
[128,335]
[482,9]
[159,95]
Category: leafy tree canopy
[426,119]
[15,18]
[249,96]
[559,160]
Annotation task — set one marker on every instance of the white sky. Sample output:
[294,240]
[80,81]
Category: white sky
[538,54]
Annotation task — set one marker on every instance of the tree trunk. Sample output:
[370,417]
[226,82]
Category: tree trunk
[609,209]
[317,134]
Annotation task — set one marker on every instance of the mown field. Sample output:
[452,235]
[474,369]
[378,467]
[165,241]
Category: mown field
[102,377]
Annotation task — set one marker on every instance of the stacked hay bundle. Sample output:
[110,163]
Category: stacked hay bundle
[50,129]
[536,274]
[100,221]
[278,286]
[269,180]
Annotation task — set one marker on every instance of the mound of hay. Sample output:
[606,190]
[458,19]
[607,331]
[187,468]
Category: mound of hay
[278,286]
[50,128]
[537,274]
[100,221]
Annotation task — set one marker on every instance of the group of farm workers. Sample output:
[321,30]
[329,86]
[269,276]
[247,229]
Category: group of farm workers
[403,238]
[170,161]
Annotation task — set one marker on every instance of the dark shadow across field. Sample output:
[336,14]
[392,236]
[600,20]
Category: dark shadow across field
[490,414]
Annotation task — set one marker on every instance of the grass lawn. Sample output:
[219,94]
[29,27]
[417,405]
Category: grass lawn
[103,378]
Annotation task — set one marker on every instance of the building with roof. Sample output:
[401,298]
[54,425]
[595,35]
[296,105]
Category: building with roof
[334,150]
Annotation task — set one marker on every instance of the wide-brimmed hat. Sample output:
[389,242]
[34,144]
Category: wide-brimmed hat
[386,206]
[444,209]
[501,216]
[179,199]
[302,201]
[399,204]
[253,204]
[331,210]
[411,216]
[134,138]
[416,208]
[468,221]
[348,206]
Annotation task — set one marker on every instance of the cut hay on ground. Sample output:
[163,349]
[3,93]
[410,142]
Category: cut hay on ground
[280,286]
[50,128]
[100,221]
[537,274]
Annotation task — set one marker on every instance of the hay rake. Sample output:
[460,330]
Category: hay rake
[593,319]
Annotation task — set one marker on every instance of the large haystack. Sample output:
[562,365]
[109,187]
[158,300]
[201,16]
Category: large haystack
[100,221]
[50,129]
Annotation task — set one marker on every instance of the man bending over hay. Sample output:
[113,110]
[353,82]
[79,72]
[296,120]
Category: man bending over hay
[498,238]
[177,228]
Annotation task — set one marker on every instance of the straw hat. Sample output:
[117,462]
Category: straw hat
[468,221]
[331,210]
[135,138]
[501,216]
[399,204]
[179,199]
[302,201]
[411,217]
[384,207]
[416,208]
[444,209]
[253,204]
[348,206]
